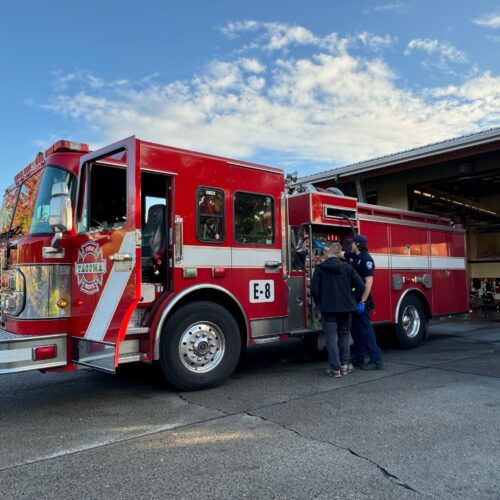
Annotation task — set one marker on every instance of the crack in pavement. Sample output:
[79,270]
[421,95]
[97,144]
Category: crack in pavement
[385,472]
[464,372]
[439,365]
[333,389]
[311,394]
[224,414]
[391,477]
[394,479]
[120,440]
[110,442]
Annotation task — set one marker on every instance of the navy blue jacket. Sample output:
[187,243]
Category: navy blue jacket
[334,286]
[363,263]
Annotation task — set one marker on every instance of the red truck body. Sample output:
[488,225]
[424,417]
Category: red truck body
[186,258]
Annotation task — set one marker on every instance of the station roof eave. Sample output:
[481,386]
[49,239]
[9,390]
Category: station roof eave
[451,149]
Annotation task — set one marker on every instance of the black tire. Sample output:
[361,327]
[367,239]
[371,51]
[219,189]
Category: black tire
[200,346]
[411,328]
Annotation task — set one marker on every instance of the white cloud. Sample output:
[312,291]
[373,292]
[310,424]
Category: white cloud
[388,7]
[281,36]
[252,65]
[489,21]
[317,111]
[445,51]
[233,28]
[63,81]
[374,41]
[274,36]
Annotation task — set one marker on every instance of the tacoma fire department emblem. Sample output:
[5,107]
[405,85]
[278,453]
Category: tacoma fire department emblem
[90,268]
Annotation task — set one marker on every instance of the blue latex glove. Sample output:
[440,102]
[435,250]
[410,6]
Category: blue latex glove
[361,308]
[318,244]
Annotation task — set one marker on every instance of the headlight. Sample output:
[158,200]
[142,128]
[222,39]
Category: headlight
[48,291]
[36,292]
[13,295]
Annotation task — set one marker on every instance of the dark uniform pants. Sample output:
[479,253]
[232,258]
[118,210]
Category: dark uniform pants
[363,336]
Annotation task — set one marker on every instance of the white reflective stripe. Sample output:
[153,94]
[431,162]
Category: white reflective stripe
[410,262]
[208,256]
[15,355]
[205,256]
[250,257]
[448,262]
[112,293]
[381,260]
[396,261]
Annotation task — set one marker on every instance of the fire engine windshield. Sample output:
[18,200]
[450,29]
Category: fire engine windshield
[7,211]
[23,213]
[40,216]
[25,209]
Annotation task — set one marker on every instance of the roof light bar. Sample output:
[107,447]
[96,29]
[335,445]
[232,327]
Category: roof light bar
[58,147]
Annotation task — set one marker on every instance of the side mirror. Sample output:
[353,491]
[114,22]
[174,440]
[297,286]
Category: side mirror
[60,213]
[60,189]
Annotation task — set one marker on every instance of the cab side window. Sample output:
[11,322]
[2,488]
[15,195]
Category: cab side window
[105,198]
[211,223]
[254,219]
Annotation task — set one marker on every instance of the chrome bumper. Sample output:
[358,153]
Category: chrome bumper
[17,352]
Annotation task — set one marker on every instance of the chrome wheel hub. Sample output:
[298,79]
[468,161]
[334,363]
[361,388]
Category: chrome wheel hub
[201,347]
[411,321]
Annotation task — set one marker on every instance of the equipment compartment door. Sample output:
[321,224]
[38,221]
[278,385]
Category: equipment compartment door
[106,280]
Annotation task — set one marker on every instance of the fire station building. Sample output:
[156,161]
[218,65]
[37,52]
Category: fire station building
[458,179]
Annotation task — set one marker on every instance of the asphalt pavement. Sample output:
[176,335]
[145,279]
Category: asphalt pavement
[428,425]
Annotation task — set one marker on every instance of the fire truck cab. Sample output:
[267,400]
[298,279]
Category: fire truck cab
[140,252]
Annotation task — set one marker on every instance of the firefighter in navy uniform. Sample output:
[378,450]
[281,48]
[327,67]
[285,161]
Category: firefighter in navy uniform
[362,331]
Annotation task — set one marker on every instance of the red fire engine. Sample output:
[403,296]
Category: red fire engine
[143,252]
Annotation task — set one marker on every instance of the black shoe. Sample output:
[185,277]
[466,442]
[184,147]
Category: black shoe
[373,366]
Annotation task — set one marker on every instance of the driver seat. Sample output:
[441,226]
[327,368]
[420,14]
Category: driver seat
[153,241]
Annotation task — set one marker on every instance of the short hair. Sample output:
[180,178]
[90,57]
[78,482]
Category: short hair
[334,248]
[361,242]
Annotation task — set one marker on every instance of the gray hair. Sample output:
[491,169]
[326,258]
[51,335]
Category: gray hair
[334,248]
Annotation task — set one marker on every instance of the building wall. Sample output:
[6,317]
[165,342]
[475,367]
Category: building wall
[392,189]
[491,203]
[483,249]
[391,192]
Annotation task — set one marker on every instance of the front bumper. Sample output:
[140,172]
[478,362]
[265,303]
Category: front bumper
[17,352]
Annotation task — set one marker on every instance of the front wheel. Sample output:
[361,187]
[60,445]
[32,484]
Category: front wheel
[200,346]
[412,323]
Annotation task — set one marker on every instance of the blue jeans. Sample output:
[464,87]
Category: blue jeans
[336,327]
[363,336]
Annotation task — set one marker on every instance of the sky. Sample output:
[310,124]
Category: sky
[305,86]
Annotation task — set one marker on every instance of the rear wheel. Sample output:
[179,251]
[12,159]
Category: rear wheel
[200,346]
[411,328]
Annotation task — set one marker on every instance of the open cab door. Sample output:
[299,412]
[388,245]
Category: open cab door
[106,285]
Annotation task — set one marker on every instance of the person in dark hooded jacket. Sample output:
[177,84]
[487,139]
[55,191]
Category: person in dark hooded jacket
[333,287]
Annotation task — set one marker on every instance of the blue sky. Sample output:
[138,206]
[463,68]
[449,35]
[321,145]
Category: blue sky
[305,86]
